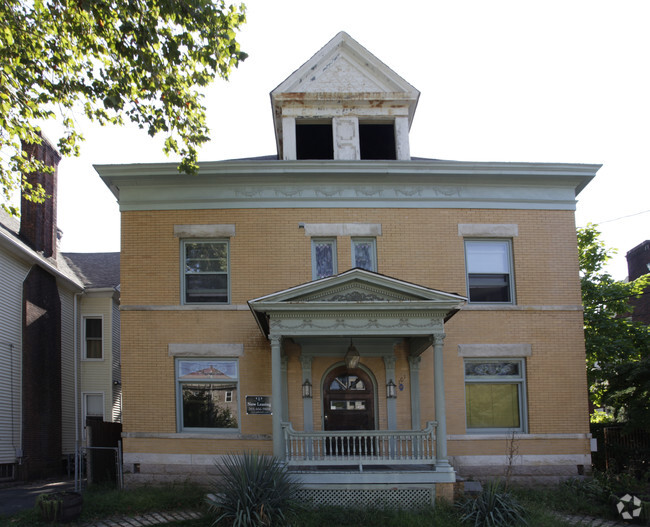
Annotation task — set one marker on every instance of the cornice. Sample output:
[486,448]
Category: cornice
[268,167]
[342,184]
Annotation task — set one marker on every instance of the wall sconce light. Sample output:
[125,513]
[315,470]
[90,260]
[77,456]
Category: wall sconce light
[306,389]
[390,390]
[352,357]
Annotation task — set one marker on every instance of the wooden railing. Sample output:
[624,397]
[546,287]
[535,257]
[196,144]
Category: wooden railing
[360,447]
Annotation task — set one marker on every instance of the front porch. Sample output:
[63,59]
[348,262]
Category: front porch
[359,430]
[389,467]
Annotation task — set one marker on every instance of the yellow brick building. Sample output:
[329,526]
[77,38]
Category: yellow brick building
[386,325]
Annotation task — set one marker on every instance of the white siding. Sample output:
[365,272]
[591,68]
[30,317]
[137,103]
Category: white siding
[12,275]
[67,372]
[117,365]
[96,375]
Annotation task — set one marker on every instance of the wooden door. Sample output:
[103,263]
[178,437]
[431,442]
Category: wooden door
[348,400]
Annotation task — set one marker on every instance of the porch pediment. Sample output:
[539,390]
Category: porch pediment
[354,302]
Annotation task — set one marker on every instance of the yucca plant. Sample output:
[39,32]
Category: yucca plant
[493,507]
[253,490]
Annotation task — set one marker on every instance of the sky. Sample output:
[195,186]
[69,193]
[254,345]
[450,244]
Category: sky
[524,81]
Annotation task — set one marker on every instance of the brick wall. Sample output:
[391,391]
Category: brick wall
[269,253]
[38,220]
[41,376]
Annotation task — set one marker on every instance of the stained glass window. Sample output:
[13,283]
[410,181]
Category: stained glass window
[323,258]
[364,253]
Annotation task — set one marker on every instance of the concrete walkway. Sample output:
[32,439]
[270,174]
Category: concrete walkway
[153,518]
[589,521]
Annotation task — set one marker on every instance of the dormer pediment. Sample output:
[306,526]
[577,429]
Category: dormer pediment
[343,86]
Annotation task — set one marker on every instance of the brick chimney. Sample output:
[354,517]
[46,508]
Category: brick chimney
[38,220]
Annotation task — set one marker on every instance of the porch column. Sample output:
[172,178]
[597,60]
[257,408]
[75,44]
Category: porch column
[285,389]
[307,402]
[439,393]
[414,374]
[276,395]
[391,404]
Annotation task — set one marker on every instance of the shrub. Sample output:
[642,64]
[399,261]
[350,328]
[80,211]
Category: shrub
[253,490]
[493,507]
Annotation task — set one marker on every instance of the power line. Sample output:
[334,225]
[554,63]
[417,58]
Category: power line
[623,217]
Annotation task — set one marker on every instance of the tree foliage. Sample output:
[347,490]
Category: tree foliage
[113,61]
[618,349]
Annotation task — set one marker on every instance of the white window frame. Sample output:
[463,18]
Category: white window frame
[511,281]
[179,394]
[85,356]
[314,263]
[518,380]
[184,274]
[373,255]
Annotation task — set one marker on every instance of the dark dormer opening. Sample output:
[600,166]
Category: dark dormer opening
[314,141]
[377,141]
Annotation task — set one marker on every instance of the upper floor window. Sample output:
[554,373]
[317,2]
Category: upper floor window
[205,272]
[314,140]
[377,141]
[207,394]
[364,253]
[489,271]
[93,338]
[323,257]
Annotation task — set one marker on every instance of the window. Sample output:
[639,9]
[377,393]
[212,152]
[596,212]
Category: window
[207,394]
[494,394]
[489,270]
[364,253]
[377,141]
[93,338]
[205,272]
[314,140]
[94,406]
[323,257]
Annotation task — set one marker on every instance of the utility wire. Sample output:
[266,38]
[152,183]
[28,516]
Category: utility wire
[622,217]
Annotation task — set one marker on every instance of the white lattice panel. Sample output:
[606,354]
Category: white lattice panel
[393,497]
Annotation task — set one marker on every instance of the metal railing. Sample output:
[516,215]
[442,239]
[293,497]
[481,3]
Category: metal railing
[360,447]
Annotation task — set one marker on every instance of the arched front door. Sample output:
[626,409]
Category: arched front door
[348,400]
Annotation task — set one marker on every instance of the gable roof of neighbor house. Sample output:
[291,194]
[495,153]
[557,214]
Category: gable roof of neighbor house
[96,270]
[10,239]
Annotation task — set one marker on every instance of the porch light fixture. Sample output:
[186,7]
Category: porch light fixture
[352,357]
[306,389]
[390,390]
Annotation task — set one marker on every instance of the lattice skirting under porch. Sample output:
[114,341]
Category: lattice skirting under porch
[398,497]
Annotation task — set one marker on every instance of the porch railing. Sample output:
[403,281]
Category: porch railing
[360,447]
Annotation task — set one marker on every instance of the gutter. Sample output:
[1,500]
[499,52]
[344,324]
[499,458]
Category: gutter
[22,250]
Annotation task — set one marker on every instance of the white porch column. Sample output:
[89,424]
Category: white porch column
[439,393]
[414,374]
[276,395]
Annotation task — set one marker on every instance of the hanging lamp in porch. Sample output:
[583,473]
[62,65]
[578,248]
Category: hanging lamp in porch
[352,357]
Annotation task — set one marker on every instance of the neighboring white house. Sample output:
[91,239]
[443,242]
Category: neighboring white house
[46,298]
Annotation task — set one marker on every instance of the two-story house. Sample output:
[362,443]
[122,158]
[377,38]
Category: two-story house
[385,324]
[59,337]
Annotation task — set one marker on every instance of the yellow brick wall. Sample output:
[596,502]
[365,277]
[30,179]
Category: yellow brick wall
[270,253]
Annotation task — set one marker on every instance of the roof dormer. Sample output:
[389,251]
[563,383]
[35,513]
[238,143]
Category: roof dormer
[343,103]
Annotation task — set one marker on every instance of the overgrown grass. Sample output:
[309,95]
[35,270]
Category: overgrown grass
[580,496]
[442,515]
[103,502]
